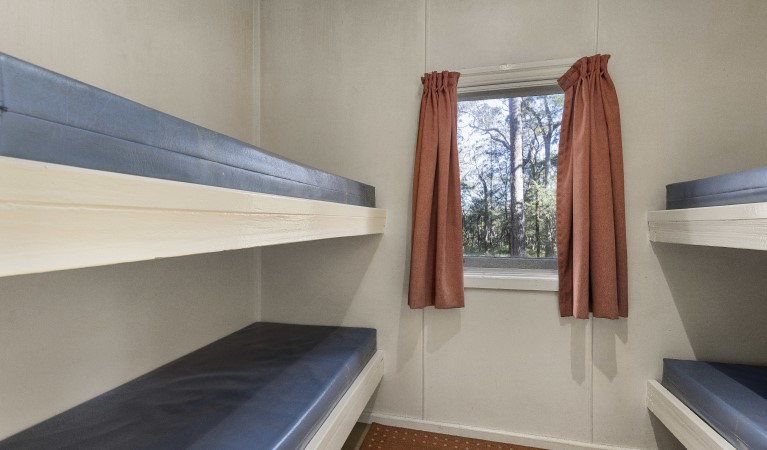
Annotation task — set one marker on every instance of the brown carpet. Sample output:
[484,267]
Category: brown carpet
[394,438]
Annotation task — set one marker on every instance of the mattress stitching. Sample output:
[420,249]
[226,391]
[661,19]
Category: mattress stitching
[700,410]
[720,193]
[3,108]
[704,411]
[192,156]
[5,57]
[184,154]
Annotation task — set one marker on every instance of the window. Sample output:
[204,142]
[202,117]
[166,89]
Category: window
[507,146]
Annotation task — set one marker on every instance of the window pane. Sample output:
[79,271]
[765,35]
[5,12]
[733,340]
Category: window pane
[508,158]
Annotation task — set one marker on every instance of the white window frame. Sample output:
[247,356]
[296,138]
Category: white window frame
[523,79]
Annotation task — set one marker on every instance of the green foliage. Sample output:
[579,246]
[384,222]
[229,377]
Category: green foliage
[486,146]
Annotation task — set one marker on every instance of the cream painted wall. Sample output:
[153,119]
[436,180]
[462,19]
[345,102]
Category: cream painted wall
[341,92]
[517,366]
[689,75]
[67,336]
[191,59]
[338,94]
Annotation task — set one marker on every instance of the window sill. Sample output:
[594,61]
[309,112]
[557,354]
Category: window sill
[511,279]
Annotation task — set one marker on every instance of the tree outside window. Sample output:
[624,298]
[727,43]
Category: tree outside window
[508,157]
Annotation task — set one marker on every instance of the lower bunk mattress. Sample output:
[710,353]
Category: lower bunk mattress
[730,189]
[48,117]
[267,386]
[731,398]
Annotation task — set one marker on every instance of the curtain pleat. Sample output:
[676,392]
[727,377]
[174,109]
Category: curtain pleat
[436,260]
[591,224]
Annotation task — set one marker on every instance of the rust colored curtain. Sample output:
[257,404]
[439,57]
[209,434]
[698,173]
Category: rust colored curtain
[591,224]
[436,259]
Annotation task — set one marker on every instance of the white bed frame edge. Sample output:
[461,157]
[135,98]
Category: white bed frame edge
[691,430]
[338,425]
[735,226]
[55,217]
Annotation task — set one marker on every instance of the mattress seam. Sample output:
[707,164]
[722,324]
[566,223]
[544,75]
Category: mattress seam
[184,154]
[277,156]
[720,193]
[706,413]
[700,410]
[2,83]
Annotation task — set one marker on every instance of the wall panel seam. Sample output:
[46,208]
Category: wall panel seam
[423,364]
[592,324]
[596,26]
[256,73]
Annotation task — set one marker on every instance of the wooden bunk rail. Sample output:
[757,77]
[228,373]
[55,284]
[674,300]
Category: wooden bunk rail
[691,430]
[338,425]
[736,226]
[55,217]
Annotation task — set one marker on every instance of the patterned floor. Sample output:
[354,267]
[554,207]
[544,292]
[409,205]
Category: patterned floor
[381,437]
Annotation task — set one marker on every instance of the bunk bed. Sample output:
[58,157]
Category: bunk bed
[89,178]
[265,386]
[723,211]
[713,405]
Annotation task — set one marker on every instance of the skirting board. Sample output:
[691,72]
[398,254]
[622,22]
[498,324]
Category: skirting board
[690,429]
[337,427]
[55,217]
[735,226]
[483,433]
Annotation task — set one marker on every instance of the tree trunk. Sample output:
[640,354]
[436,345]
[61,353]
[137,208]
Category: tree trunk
[505,235]
[517,200]
[537,228]
[548,247]
[488,224]
[547,135]
[483,219]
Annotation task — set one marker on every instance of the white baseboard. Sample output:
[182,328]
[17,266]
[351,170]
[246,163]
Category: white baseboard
[482,433]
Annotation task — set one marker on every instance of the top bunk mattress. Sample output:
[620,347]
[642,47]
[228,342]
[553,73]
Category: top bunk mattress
[45,116]
[267,386]
[731,398]
[730,189]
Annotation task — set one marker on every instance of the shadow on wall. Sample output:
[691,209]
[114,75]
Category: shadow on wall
[663,437]
[183,302]
[506,326]
[349,282]
[449,327]
[316,282]
[605,333]
[578,348]
[721,297]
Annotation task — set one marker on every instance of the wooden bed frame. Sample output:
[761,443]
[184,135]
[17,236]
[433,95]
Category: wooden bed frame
[336,428]
[735,226]
[691,430]
[55,217]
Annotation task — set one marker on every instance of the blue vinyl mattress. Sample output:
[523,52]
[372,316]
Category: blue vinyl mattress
[45,116]
[730,189]
[267,386]
[731,398]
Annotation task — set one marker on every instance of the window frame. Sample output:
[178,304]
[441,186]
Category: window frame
[513,80]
